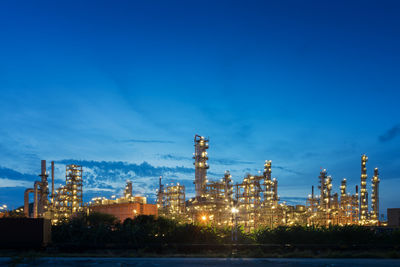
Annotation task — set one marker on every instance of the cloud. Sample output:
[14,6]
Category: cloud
[230,161]
[143,169]
[175,157]
[148,141]
[219,161]
[286,169]
[390,134]
[15,175]
[5,182]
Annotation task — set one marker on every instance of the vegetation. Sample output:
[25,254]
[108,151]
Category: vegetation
[148,234]
[99,229]
[333,235]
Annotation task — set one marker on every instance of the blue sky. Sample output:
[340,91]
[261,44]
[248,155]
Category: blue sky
[305,84]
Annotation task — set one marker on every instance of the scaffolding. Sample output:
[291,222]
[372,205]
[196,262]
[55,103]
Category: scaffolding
[249,196]
[171,201]
[68,198]
[215,206]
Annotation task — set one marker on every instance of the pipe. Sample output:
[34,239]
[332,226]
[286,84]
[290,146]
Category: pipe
[26,201]
[35,200]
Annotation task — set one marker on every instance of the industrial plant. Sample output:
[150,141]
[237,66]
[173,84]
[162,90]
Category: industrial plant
[251,203]
[255,202]
[67,200]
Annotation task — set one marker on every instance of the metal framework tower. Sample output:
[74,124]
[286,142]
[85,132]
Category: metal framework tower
[322,187]
[128,190]
[363,190]
[275,196]
[228,189]
[248,196]
[74,184]
[200,162]
[343,188]
[173,204]
[269,184]
[68,199]
[375,196]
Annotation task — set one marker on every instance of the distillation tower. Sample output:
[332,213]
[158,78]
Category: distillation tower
[375,197]
[201,166]
[363,190]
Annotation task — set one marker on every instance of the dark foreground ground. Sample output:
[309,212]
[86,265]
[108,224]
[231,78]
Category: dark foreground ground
[178,262]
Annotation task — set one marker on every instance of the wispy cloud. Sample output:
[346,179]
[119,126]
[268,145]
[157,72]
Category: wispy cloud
[286,169]
[219,161]
[5,182]
[143,169]
[390,134]
[175,157]
[15,175]
[146,141]
[230,161]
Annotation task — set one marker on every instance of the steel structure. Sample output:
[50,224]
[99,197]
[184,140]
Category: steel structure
[375,197]
[200,162]
[363,190]
[171,201]
[255,202]
[40,195]
[68,198]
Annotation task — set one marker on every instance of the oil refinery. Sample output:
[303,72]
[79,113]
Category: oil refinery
[250,203]
[67,200]
[254,202]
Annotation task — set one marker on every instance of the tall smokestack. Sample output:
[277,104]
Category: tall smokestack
[312,192]
[43,172]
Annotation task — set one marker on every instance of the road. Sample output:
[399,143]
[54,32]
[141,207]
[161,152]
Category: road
[181,262]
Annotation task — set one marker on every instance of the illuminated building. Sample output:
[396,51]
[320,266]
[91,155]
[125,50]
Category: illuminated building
[128,206]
